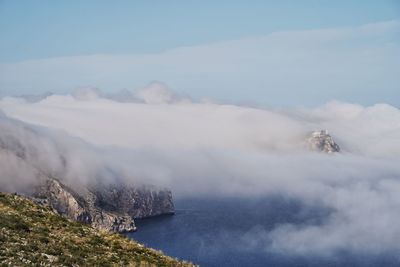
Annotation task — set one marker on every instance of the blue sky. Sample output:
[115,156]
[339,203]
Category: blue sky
[46,28]
[78,31]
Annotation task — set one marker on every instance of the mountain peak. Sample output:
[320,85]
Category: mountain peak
[322,141]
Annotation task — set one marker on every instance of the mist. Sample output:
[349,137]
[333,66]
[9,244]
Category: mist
[209,149]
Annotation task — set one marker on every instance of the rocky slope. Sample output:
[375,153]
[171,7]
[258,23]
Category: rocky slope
[34,235]
[321,141]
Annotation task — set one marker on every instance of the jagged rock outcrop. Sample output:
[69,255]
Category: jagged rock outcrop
[81,208]
[321,141]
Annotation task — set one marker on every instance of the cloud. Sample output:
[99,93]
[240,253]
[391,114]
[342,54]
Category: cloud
[158,93]
[209,149]
[353,64]
[87,93]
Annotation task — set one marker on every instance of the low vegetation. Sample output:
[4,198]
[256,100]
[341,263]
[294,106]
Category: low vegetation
[34,235]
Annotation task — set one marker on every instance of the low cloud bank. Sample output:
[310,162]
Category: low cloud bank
[201,148]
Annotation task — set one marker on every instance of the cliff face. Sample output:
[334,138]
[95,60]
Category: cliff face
[112,207]
[140,202]
[81,208]
[108,207]
[321,141]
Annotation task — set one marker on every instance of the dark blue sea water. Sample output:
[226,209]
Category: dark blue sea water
[227,232]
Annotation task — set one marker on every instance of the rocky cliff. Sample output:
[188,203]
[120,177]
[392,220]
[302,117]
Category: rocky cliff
[111,207]
[137,202]
[321,141]
[81,208]
[29,159]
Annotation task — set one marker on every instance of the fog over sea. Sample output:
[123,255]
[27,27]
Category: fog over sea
[232,232]
[247,189]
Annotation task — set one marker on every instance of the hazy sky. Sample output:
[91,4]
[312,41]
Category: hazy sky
[277,53]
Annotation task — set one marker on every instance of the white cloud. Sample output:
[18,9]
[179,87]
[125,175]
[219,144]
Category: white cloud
[87,93]
[158,93]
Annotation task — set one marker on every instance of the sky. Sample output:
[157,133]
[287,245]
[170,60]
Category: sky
[278,53]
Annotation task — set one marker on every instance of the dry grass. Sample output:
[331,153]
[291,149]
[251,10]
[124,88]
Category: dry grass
[34,235]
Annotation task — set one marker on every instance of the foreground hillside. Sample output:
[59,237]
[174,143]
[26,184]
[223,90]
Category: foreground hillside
[33,235]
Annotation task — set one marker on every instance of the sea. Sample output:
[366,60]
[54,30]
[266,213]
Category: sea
[228,232]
